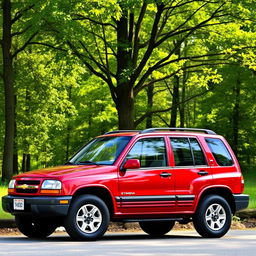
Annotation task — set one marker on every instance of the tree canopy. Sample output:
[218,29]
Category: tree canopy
[72,70]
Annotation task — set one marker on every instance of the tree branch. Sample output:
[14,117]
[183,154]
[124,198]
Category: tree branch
[166,124]
[99,65]
[191,29]
[102,38]
[21,32]
[137,88]
[97,47]
[184,23]
[90,67]
[48,45]
[150,48]
[149,113]
[20,13]
[136,46]
[105,46]
[81,17]
[24,45]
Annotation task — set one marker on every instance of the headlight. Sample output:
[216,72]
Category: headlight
[51,184]
[11,184]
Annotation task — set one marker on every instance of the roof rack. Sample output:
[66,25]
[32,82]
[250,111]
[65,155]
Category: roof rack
[178,129]
[121,131]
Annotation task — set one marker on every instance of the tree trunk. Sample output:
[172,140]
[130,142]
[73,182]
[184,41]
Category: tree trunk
[68,127]
[67,142]
[182,105]
[175,102]
[25,163]
[176,95]
[236,114]
[7,167]
[150,94]
[15,149]
[125,107]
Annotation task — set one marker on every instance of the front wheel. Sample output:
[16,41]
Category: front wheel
[157,228]
[213,217]
[35,227]
[88,218]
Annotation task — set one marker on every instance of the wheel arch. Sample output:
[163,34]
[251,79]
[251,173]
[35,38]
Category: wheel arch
[101,192]
[224,192]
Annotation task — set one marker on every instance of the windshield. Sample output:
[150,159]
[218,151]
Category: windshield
[104,150]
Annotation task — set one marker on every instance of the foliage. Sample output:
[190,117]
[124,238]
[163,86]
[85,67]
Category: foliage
[70,75]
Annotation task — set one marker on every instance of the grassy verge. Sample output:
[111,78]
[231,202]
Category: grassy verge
[3,215]
[250,186]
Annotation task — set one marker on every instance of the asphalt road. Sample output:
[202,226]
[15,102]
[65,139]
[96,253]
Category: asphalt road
[240,243]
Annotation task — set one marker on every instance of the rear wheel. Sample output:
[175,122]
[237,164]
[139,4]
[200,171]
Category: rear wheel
[35,227]
[88,218]
[157,228]
[213,217]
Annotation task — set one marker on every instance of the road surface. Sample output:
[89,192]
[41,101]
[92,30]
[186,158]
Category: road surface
[176,243]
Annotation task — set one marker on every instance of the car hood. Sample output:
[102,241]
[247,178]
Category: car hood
[67,170]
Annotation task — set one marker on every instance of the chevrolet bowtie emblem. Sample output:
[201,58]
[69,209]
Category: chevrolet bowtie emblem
[25,186]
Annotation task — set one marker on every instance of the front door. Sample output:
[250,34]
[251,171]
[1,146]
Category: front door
[149,189]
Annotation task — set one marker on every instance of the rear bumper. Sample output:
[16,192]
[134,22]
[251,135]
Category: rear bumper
[39,206]
[241,201]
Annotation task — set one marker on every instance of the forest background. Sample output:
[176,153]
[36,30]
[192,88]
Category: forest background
[72,70]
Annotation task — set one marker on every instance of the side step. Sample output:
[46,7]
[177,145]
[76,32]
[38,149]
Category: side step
[146,220]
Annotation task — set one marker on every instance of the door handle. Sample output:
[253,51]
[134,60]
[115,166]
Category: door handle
[202,173]
[165,174]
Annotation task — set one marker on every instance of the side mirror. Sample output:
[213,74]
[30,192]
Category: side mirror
[131,164]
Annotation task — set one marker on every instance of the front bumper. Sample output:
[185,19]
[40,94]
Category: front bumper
[241,201]
[39,206]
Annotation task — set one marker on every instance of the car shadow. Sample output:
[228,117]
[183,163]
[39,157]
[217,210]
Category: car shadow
[107,237]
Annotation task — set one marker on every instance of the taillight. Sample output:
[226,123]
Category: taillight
[242,183]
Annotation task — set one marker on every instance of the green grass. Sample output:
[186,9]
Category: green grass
[250,186]
[3,215]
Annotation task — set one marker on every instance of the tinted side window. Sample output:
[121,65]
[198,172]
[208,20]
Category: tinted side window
[182,152]
[150,151]
[197,152]
[187,152]
[220,152]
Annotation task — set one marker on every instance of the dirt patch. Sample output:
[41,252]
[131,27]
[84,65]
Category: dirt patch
[134,227]
[249,223]
[9,232]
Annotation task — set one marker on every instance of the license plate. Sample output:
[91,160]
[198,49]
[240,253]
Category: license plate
[18,204]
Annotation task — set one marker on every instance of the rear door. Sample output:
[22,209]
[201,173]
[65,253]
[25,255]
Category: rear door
[190,171]
[149,189]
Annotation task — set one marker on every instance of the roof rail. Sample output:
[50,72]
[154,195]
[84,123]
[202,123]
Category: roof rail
[121,131]
[178,129]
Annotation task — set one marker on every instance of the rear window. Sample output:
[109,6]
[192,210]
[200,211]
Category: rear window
[220,152]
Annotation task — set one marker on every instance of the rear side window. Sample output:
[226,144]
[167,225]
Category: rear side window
[220,152]
[187,152]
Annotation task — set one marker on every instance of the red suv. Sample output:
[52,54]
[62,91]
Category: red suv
[155,177]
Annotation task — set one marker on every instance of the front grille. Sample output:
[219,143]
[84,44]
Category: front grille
[31,191]
[27,186]
[28,182]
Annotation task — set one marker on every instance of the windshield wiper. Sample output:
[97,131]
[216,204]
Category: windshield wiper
[69,163]
[88,162]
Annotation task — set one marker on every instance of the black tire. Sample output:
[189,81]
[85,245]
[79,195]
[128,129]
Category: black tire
[88,218]
[157,228]
[213,217]
[35,227]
